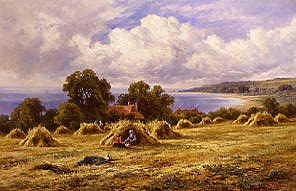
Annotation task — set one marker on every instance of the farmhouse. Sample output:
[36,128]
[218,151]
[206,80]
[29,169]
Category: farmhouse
[130,110]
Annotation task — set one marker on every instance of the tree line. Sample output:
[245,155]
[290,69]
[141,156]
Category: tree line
[89,98]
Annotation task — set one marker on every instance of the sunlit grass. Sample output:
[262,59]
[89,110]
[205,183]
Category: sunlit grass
[216,157]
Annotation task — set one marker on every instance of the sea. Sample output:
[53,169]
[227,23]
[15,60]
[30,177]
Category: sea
[205,102]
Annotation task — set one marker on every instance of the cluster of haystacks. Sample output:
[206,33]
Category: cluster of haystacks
[205,121]
[241,119]
[218,120]
[16,134]
[40,137]
[162,130]
[183,124]
[62,130]
[88,129]
[260,119]
[122,130]
[281,118]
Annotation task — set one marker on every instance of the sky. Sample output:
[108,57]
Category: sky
[174,43]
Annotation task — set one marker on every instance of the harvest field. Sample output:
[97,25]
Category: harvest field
[216,157]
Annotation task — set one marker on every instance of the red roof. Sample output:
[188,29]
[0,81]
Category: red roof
[127,110]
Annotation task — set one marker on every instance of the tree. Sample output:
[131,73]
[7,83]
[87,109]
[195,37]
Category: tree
[153,102]
[5,124]
[90,93]
[271,106]
[252,110]
[289,110]
[48,119]
[69,115]
[28,114]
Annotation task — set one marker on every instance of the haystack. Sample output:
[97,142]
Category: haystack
[184,123]
[281,118]
[16,134]
[162,130]
[122,130]
[260,119]
[40,137]
[205,121]
[62,130]
[241,119]
[88,129]
[218,120]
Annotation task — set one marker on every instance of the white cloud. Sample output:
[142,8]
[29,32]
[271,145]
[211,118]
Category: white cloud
[163,50]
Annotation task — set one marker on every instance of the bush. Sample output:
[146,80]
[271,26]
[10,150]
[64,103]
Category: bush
[271,106]
[225,113]
[5,124]
[253,110]
[192,115]
[69,115]
[289,110]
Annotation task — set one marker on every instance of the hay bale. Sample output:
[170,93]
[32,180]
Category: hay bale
[62,130]
[162,130]
[40,137]
[88,129]
[241,119]
[205,121]
[122,130]
[16,134]
[218,120]
[184,123]
[260,119]
[281,118]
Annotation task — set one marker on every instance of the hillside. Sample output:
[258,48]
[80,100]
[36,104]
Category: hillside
[266,87]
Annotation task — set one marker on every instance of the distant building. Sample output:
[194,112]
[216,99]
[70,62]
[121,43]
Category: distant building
[130,110]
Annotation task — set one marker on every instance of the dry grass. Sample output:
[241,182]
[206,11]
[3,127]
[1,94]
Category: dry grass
[222,157]
[62,130]
[88,129]
[184,123]
[218,120]
[16,134]
[241,119]
[122,130]
[162,130]
[205,121]
[281,118]
[260,119]
[39,137]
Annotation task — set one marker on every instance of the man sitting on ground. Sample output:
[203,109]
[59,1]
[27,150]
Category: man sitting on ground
[131,139]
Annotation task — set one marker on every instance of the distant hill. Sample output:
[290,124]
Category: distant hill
[265,87]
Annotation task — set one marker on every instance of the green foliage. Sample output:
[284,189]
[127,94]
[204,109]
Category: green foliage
[192,115]
[5,124]
[48,119]
[69,115]
[225,113]
[153,102]
[252,110]
[271,106]
[28,114]
[289,110]
[90,93]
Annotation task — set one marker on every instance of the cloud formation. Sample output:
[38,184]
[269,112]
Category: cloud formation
[170,42]
[163,50]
